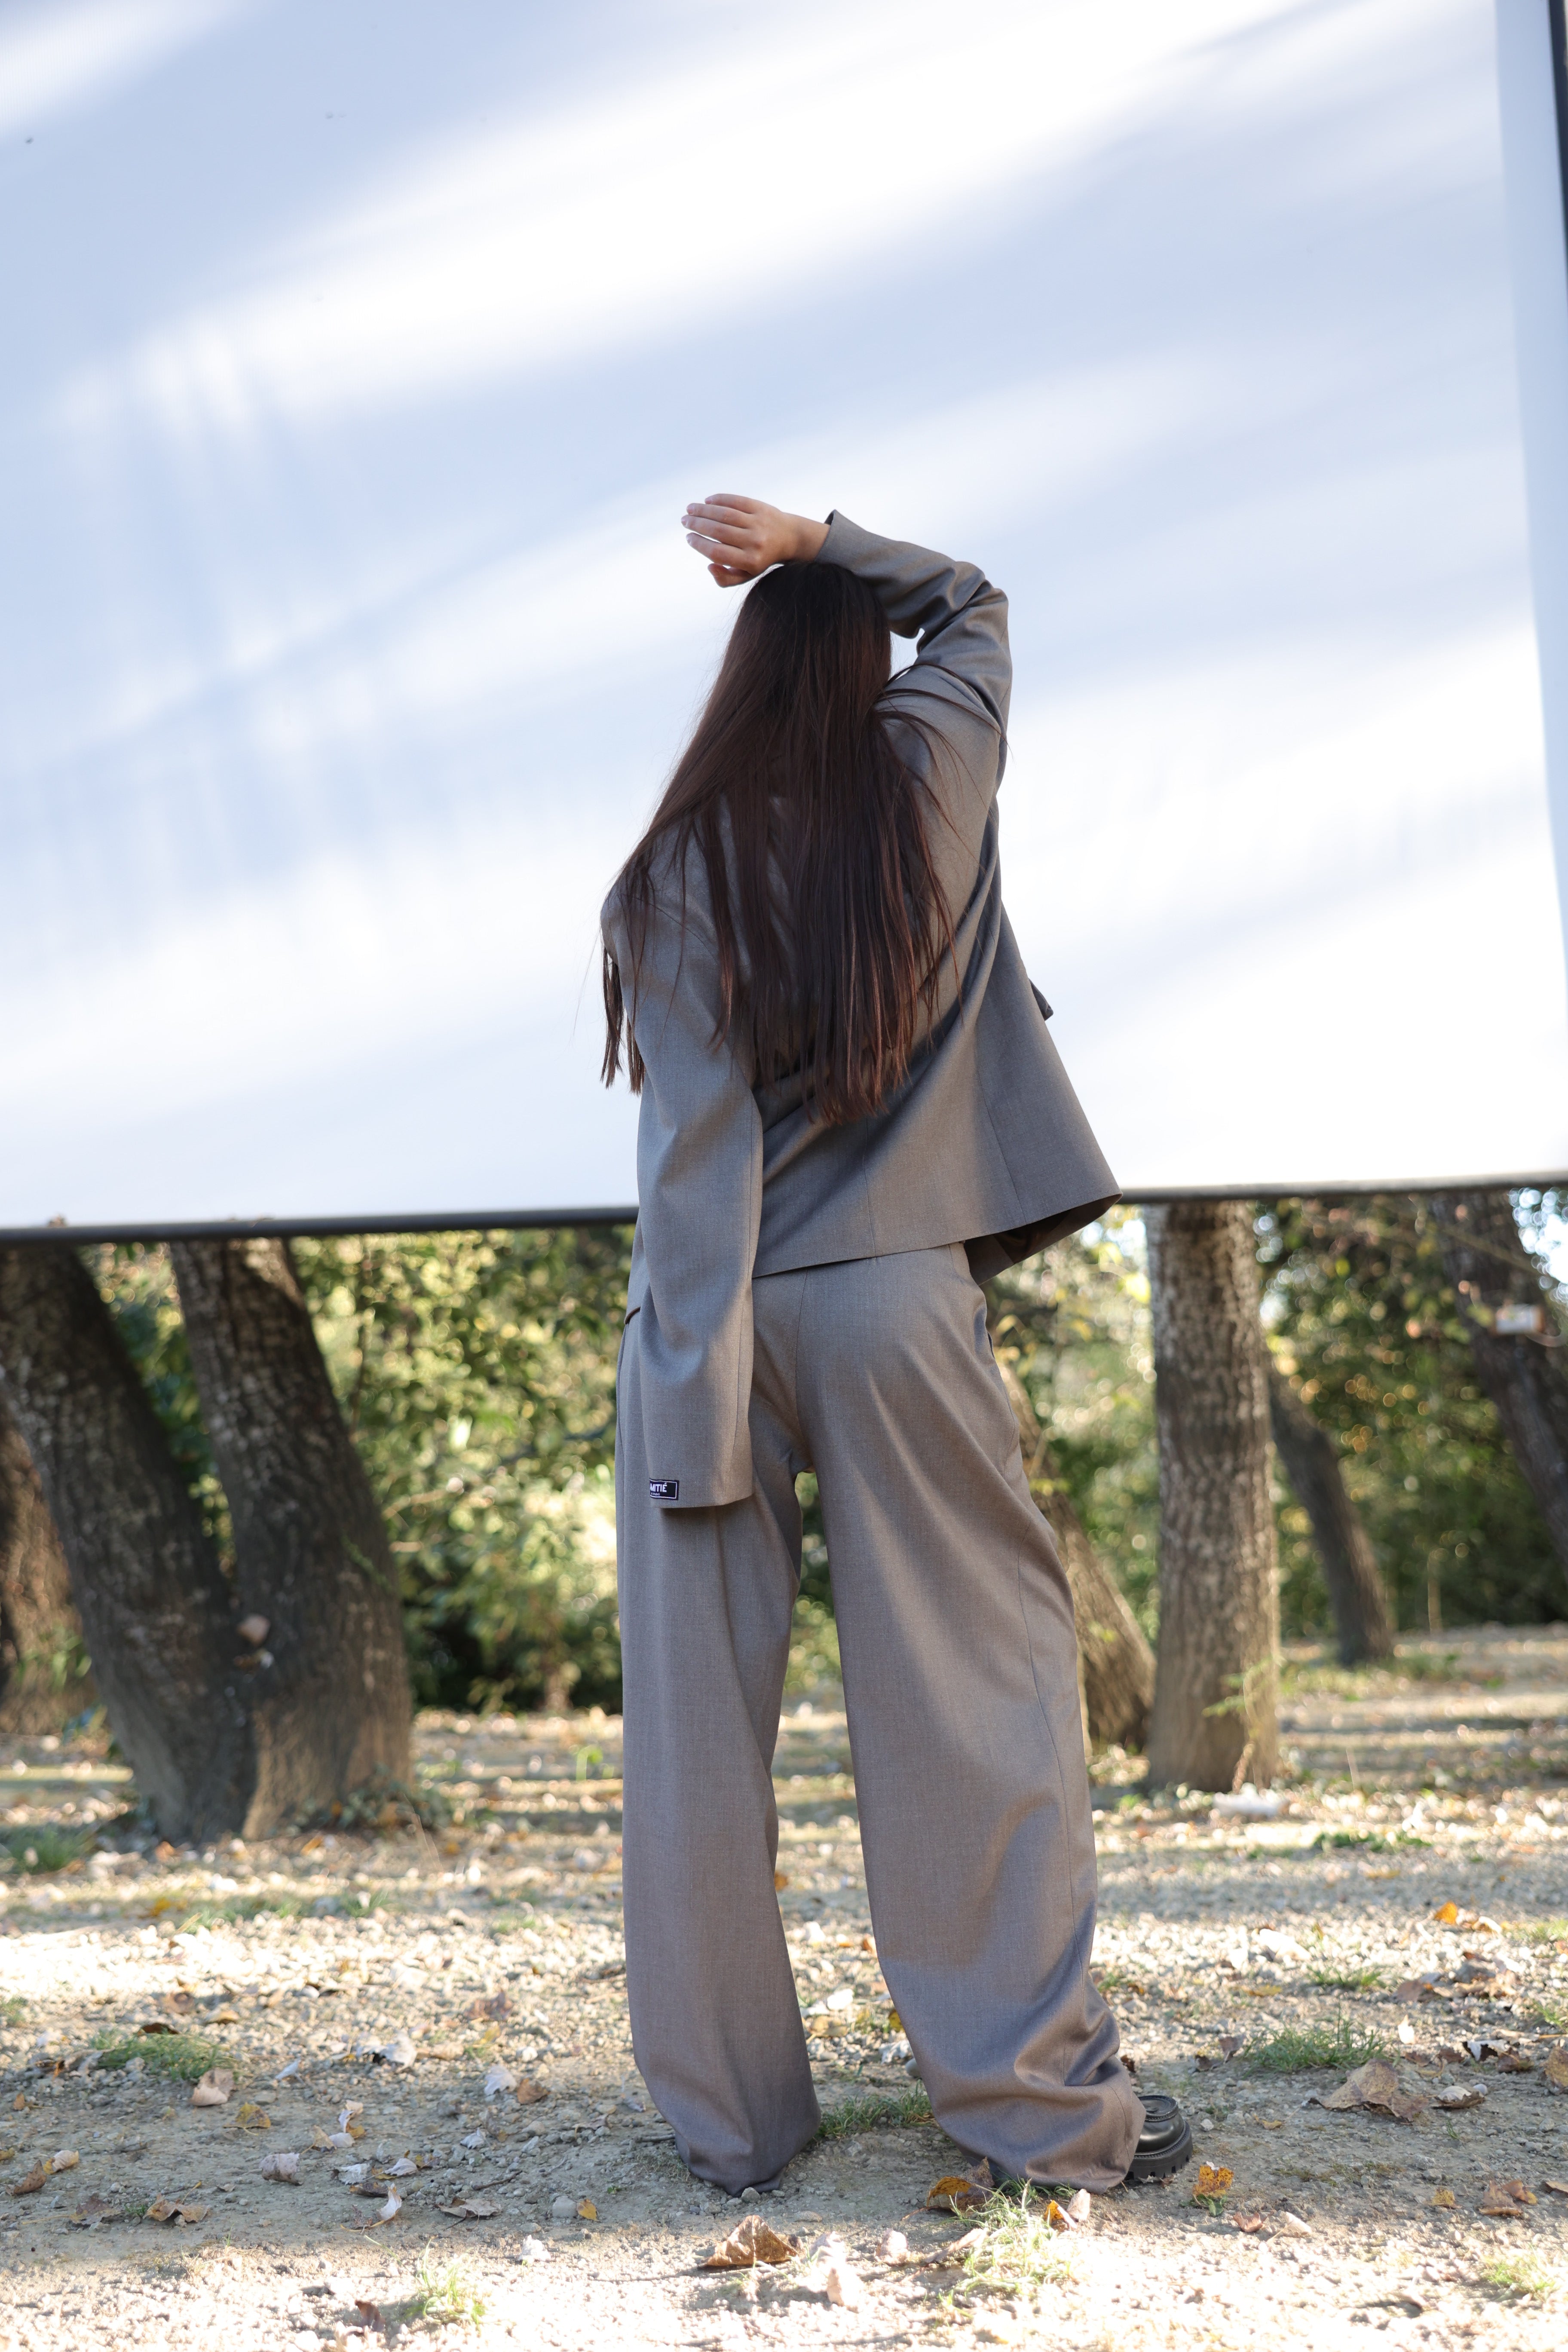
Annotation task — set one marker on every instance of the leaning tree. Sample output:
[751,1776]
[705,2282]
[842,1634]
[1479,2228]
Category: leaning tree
[239,1697]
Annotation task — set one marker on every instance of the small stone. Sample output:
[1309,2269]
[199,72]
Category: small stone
[561,2209]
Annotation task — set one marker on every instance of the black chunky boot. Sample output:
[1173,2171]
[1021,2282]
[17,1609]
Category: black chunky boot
[1164,2145]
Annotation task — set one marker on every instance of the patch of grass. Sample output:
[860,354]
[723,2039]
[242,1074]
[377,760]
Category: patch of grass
[45,1847]
[1516,2274]
[1019,2253]
[1540,1931]
[13,2009]
[178,2057]
[1552,2014]
[1346,1980]
[445,2292]
[874,2108]
[1297,2050]
[1367,1841]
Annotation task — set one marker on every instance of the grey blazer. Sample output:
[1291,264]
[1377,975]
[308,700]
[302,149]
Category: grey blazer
[984,1143]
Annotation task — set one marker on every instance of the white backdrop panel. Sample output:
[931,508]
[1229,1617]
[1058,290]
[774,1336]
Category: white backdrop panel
[360,357]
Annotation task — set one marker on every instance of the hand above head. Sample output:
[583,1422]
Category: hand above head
[739,538]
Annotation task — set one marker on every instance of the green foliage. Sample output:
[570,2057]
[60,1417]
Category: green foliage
[1074,1327]
[1017,2253]
[1364,1326]
[478,1373]
[180,2057]
[43,1847]
[1297,2050]
[137,1280]
[871,2108]
[446,2292]
[1516,2275]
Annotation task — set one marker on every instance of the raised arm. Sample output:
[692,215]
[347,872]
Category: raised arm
[960,619]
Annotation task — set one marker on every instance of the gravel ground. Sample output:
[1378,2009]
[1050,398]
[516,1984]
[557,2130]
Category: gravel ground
[369,1983]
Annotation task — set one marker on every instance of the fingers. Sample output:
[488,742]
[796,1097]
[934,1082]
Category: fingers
[735,530]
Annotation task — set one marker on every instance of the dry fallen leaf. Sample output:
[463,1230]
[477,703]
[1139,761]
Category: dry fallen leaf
[370,2313]
[1229,2044]
[1443,2200]
[93,2210]
[499,2078]
[1214,2180]
[393,2207]
[1555,2070]
[248,2116]
[529,2092]
[1447,1914]
[169,2209]
[1078,2207]
[1506,2197]
[65,2160]
[400,2051]
[34,2180]
[1462,2094]
[1374,2085]
[780,1880]
[1558,2188]
[472,2209]
[496,2006]
[894,2247]
[213,2089]
[752,2241]
[280,2164]
[586,2209]
[953,2194]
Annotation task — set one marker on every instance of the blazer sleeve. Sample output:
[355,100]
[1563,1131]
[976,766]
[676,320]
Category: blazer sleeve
[699,1196]
[960,619]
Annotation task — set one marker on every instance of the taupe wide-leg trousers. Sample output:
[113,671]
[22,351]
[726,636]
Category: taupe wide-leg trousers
[956,1627]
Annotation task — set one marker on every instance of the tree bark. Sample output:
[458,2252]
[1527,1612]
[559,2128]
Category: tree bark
[1522,1373]
[1116,1665]
[146,1578]
[1344,1550]
[41,1686]
[330,1692]
[1213,1721]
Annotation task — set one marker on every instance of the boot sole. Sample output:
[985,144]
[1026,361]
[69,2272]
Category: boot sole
[1161,2163]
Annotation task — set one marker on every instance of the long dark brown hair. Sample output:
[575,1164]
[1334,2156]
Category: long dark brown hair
[830,920]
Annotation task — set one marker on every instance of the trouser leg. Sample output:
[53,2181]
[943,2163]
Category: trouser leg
[705,1600]
[955,1628]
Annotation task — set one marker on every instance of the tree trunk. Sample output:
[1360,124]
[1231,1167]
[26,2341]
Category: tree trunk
[1344,1550]
[1116,1665]
[153,1603]
[1522,1370]
[1213,1721]
[42,1684]
[330,1692]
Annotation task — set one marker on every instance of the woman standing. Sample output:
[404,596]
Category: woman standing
[852,1113]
